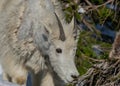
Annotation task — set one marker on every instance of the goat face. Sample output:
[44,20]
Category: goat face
[62,53]
[63,61]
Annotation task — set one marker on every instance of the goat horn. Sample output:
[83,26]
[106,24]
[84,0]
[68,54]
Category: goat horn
[62,34]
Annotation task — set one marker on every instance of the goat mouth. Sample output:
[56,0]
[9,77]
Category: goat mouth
[74,82]
[55,75]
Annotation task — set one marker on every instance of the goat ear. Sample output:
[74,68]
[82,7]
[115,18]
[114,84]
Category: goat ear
[69,27]
[72,23]
[115,52]
[73,27]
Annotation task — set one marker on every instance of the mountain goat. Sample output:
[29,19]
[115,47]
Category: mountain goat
[35,38]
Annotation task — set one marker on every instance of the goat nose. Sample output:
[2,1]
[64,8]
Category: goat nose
[74,76]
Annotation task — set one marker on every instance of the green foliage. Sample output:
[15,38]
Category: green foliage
[98,14]
[97,1]
[103,14]
[87,41]
[71,10]
[85,51]
[83,64]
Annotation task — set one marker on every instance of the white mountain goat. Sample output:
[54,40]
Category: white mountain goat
[35,38]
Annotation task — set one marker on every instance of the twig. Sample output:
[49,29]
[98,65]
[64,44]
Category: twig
[88,25]
[88,2]
[94,7]
[96,60]
[102,75]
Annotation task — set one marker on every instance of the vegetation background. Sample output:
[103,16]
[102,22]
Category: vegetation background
[98,22]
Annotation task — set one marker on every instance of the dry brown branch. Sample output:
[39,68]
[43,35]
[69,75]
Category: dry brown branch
[88,25]
[92,7]
[102,74]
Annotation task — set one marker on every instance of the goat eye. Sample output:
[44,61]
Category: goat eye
[58,50]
